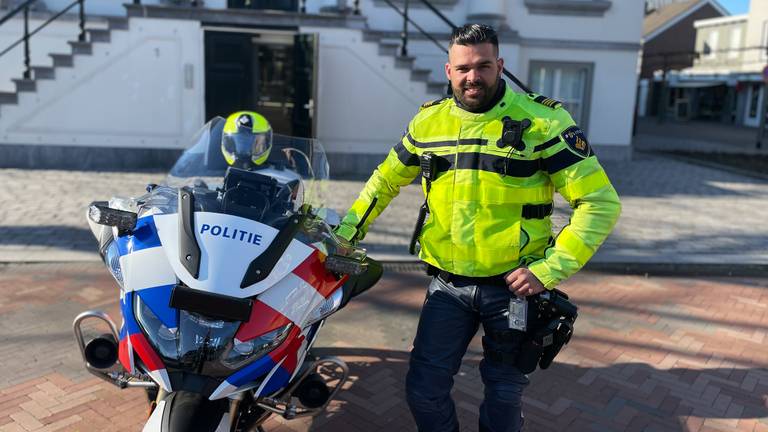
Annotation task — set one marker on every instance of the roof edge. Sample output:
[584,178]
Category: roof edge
[664,27]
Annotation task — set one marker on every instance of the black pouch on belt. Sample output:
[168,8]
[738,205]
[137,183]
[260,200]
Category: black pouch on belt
[429,172]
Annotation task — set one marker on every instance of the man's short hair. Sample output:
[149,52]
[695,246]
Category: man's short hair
[474,34]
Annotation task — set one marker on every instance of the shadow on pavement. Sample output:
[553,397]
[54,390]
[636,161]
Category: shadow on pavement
[59,236]
[619,397]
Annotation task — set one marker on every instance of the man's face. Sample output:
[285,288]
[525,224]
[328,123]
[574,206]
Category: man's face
[474,71]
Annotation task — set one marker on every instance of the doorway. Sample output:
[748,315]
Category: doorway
[270,72]
[754,102]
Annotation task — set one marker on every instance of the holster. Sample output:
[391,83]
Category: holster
[541,344]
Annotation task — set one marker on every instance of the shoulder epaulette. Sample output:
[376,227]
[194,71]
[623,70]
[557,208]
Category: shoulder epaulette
[547,102]
[432,103]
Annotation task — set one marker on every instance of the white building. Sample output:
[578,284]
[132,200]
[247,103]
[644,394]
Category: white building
[149,75]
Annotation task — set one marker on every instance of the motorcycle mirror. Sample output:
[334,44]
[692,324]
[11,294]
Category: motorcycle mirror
[330,216]
[102,214]
[345,265]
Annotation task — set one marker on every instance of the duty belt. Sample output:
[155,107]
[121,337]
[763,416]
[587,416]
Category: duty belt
[537,211]
[471,280]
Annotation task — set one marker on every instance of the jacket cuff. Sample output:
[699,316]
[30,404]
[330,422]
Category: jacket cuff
[541,270]
[346,232]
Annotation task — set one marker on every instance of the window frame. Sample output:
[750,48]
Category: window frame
[534,65]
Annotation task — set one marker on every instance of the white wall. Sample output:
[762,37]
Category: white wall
[143,89]
[622,22]
[364,102]
[756,22]
[116,8]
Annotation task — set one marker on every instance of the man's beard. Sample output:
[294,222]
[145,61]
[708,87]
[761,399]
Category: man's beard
[483,97]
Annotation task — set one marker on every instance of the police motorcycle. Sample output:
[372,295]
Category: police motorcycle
[226,277]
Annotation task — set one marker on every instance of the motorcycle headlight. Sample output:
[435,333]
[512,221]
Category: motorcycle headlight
[112,259]
[327,307]
[160,336]
[241,353]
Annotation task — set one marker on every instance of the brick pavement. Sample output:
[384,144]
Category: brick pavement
[673,212]
[650,354]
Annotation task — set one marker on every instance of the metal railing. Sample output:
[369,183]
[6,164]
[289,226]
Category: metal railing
[404,34]
[24,8]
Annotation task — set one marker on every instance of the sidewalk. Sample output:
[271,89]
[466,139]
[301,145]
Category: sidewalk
[673,213]
[697,136]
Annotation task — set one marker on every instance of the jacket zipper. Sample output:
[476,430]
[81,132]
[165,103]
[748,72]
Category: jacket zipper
[365,216]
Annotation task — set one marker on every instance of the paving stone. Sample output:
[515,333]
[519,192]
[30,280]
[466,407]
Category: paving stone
[638,375]
[673,212]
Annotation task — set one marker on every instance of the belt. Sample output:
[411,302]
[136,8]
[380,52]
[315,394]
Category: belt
[537,211]
[472,280]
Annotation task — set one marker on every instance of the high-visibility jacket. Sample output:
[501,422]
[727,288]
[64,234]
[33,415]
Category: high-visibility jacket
[476,225]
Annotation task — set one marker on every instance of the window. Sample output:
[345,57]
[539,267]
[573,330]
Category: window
[710,46]
[735,43]
[764,40]
[570,83]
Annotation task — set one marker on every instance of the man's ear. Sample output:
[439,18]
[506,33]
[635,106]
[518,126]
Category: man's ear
[500,62]
[448,71]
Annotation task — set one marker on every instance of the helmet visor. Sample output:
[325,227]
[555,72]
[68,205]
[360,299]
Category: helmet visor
[245,144]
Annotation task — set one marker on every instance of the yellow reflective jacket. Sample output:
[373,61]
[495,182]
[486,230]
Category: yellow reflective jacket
[476,225]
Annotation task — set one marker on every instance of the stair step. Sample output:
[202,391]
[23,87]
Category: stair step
[117,23]
[9,98]
[404,62]
[98,35]
[420,74]
[62,60]
[437,87]
[24,85]
[371,36]
[81,47]
[43,72]
[389,49]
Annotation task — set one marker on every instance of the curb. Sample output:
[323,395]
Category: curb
[627,268]
[707,164]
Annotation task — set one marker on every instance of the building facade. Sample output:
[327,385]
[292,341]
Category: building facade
[149,75]
[726,82]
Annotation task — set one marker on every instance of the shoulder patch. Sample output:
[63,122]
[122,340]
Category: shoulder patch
[576,141]
[432,103]
[547,102]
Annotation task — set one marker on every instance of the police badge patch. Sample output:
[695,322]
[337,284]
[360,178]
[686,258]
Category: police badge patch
[576,141]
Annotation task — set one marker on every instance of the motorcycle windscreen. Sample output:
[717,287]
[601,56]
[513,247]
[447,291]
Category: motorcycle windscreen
[228,244]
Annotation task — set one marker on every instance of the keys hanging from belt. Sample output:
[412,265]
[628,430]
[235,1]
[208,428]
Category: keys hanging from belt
[428,164]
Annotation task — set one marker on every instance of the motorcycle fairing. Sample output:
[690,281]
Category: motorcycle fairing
[227,244]
[263,319]
[133,340]
[144,236]
[268,363]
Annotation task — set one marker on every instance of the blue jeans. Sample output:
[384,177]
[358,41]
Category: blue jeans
[449,319]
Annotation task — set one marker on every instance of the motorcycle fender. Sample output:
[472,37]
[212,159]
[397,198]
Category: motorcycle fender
[158,421]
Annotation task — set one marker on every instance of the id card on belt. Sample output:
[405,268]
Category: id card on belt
[518,312]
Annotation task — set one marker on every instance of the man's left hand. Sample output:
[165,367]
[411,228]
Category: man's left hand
[523,282]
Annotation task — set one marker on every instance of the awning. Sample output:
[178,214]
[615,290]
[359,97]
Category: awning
[696,84]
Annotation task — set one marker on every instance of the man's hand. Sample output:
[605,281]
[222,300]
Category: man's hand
[523,283]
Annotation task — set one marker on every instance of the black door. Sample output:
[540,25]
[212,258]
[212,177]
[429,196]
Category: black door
[230,75]
[303,84]
[271,73]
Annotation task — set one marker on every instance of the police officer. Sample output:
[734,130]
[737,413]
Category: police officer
[498,156]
